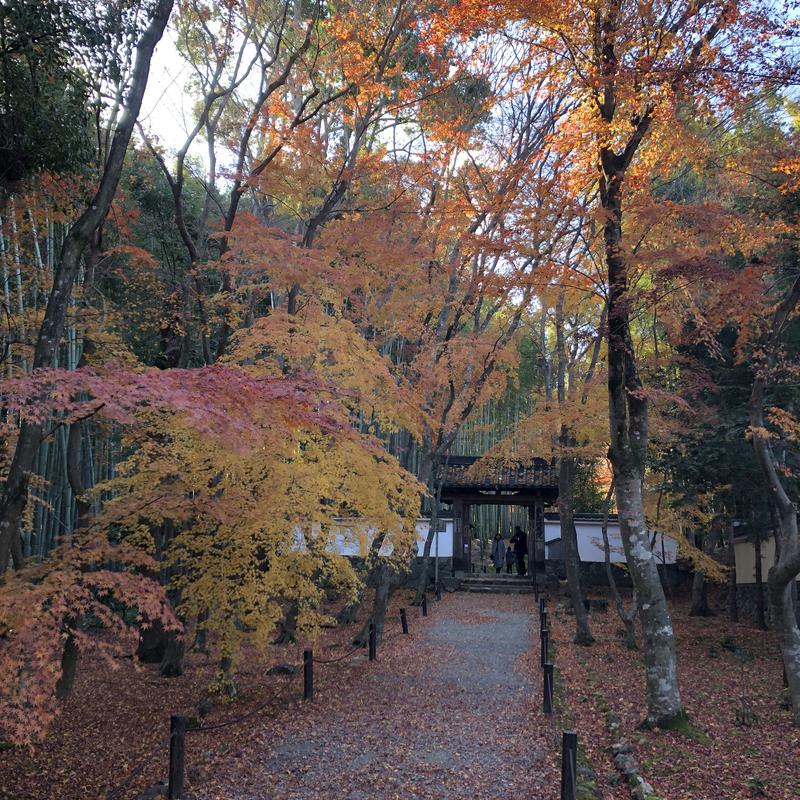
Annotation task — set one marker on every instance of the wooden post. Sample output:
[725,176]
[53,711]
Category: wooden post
[373,642]
[542,605]
[460,537]
[533,561]
[569,765]
[404,620]
[542,620]
[424,605]
[438,591]
[545,637]
[308,675]
[547,685]
[177,754]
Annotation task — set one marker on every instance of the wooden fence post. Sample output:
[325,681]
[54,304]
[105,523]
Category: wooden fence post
[177,754]
[308,675]
[373,642]
[547,684]
[404,620]
[569,765]
[424,605]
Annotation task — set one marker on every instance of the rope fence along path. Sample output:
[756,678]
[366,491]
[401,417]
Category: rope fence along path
[182,726]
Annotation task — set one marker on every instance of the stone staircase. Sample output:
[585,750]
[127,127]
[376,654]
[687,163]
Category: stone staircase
[515,584]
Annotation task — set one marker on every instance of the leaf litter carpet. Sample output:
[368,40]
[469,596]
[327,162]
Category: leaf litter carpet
[451,712]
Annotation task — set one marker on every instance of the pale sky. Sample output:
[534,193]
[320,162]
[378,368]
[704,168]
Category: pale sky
[166,109]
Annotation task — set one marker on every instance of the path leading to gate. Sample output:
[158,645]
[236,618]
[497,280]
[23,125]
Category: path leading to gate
[451,712]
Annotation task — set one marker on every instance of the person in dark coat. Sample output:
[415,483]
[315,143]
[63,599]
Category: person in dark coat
[520,542]
[498,553]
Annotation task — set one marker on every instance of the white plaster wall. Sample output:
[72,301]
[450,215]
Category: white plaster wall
[353,538]
[590,542]
[746,560]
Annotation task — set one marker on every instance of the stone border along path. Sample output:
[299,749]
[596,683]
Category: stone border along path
[451,712]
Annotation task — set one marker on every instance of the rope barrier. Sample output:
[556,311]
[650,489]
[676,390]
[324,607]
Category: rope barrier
[341,657]
[228,722]
[114,793]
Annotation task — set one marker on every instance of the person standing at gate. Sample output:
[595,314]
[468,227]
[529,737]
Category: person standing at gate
[520,542]
[498,553]
[510,559]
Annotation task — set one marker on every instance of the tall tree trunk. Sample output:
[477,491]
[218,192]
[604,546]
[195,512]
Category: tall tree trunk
[14,497]
[287,630]
[429,474]
[158,645]
[627,617]
[733,600]
[761,618]
[700,607]
[349,614]
[382,576]
[628,421]
[83,507]
[567,470]
[69,665]
[386,582]
[783,574]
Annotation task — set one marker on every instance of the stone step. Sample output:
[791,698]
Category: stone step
[488,588]
[510,579]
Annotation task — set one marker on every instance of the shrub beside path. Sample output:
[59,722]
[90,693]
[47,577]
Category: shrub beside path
[451,712]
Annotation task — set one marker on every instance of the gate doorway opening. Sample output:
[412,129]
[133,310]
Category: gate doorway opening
[520,490]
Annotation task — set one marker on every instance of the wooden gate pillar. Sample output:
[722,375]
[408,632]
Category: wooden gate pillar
[461,541]
[536,547]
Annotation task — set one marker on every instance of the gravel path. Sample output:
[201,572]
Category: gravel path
[451,712]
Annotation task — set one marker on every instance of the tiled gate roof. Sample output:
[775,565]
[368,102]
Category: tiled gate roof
[472,472]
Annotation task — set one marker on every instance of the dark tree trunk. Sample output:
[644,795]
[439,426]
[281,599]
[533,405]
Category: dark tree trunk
[566,487]
[287,631]
[200,644]
[14,498]
[349,614]
[172,662]
[699,595]
[69,668]
[386,583]
[761,617]
[83,507]
[429,474]
[700,606]
[151,644]
[227,679]
[163,647]
[156,644]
